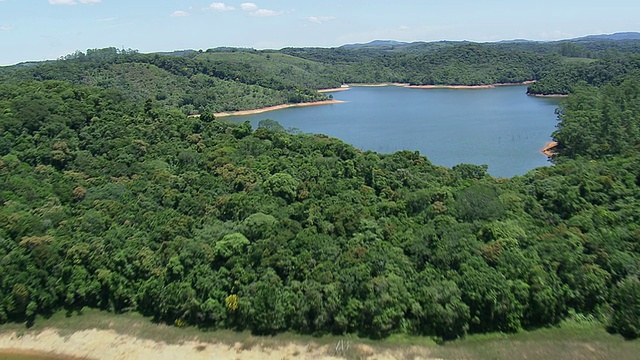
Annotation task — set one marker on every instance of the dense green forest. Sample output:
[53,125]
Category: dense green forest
[563,79]
[195,83]
[230,79]
[113,198]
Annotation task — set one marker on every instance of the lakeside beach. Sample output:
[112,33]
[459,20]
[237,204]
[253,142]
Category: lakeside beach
[407,85]
[94,344]
[487,86]
[549,95]
[548,148]
[101,344]
[275,107]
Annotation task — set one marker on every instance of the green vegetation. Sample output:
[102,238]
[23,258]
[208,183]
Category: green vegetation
[465,64]
[221,80]
[229,79]
[599,122]
[113,198]
[197,83]
[565,78]
[570,340]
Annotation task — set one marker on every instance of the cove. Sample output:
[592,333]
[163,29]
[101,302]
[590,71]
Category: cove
[501,127]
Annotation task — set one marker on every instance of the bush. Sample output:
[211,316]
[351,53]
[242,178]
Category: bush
[625,303]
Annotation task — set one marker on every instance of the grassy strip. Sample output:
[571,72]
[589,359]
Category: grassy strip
[571,340]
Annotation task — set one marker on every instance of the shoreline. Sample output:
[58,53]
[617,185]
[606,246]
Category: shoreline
[275,107]
[341,88]
[94,344]
[486,86]
[97,335]
[549,95]
[548,148]
[409,86]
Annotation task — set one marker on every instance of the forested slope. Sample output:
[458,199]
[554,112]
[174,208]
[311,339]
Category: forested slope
[119,203]
[230,79]
[222,80]
[564,78]
[195,83]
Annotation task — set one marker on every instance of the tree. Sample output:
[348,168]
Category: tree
[231,244]
[282,185]
[271,125]
[471,171]
[479,202]
[625,304]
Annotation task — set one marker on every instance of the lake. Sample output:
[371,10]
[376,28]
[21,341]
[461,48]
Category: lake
[501,127]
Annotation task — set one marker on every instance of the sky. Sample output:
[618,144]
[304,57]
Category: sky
[48,29]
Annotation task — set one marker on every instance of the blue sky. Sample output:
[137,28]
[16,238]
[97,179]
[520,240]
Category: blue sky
[48,29]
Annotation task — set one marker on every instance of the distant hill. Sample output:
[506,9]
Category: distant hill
[375,43]
[186,52]
[516,41]
[415,47]
[615,37]
[382,44]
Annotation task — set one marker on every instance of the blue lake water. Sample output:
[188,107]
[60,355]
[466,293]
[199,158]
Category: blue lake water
[501,127]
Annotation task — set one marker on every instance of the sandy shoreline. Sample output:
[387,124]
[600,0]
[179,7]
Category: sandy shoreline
[549,95]
[107,344]
[487,86]
[341,88]
[96,344]
[406,85]
[548,148]
[276,107]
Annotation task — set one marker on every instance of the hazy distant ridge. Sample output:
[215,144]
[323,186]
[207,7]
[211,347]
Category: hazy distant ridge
[620,36]
[615,37]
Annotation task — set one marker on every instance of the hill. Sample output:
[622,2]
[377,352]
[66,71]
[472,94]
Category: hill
[226,79]
[376,43]
[621,36]
[195,82]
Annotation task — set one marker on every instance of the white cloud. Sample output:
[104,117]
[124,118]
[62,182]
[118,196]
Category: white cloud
[6,27]
[90,1]
[220,7]
[248,6]
[266,13]
[252,8]
[320,19]
[179,13]
[62,2]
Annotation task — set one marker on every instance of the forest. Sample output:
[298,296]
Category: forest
[113,197]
